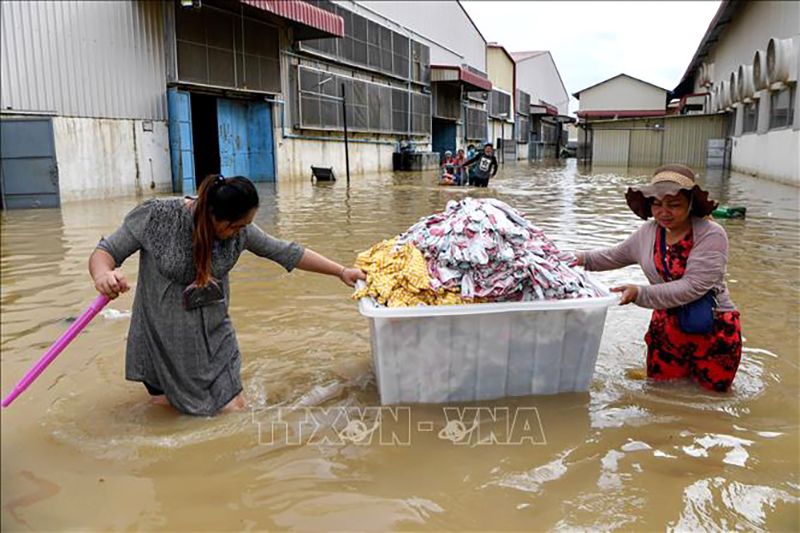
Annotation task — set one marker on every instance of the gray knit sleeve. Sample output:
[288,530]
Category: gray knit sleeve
[285,253]
[130,237]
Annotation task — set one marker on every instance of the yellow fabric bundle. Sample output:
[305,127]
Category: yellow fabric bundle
[399,278]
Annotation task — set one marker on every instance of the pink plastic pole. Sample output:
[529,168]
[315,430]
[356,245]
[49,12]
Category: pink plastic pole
[57,348]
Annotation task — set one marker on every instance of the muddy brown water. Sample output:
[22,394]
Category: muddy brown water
[84,450]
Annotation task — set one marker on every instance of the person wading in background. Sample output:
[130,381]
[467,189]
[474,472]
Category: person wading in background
[486,166]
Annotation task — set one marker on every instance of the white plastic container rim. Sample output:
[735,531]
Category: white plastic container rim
[370,308]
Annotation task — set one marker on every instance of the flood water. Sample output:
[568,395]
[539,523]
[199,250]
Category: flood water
[85,450]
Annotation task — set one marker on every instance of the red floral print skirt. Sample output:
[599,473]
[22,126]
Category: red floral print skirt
[710,359]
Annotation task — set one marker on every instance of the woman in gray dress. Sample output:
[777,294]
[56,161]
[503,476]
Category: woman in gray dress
[181,343]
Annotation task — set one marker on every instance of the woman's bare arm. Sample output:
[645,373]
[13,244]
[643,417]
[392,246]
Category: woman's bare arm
[314,262]
[107,280]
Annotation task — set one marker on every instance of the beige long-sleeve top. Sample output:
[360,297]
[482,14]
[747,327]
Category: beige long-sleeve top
[705,269]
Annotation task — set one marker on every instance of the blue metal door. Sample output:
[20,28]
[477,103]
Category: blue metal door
[234,149]
[444,136]
[245,139]
[262,159]
[28,170]
[181,143]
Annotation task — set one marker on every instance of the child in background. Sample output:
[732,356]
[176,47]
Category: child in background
[485,166]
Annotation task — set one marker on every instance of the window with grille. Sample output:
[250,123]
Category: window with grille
[224,49]
[750,117]
[447,101]
[420,63]
[499,104]
[371,107]
[523,103]
[476,120]
[549,133]
[781,112]
[373,46]
[523,129]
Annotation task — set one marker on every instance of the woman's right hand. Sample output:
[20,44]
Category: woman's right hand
[111,283]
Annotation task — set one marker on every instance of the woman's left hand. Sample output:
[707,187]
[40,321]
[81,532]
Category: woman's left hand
[629,293]
[350,275]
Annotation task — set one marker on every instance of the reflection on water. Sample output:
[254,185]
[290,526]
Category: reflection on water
[84,449]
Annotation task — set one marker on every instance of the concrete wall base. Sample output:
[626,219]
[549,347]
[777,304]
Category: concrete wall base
[294,157]
[774,156]
[104,158]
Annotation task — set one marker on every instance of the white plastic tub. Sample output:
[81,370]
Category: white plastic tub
[461,353]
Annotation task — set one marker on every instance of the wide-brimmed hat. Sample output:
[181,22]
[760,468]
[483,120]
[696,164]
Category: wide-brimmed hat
[669,180]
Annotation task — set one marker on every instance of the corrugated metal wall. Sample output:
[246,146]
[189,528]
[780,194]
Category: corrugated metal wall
[687,138]
[84,58]
[611,147]
[645,148]
[637,143]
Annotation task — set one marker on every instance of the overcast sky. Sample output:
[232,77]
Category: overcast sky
[593,41]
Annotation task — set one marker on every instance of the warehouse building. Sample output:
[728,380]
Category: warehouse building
[501,102]
[621,96]
[119,97]
[542,105]
[459,82]
[746,69]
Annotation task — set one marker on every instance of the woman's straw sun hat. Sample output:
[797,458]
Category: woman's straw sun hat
[669,180]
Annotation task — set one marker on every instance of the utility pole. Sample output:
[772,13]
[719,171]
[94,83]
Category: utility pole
[342,99]
[344,123]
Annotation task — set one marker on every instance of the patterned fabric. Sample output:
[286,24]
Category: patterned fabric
[484,248]
[398,277]
[711,359]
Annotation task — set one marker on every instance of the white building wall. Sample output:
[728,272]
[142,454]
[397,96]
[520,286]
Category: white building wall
[295,157]
[775,154]
[750,30]
[622,94]
[443,25]
[103,158]
[538,76]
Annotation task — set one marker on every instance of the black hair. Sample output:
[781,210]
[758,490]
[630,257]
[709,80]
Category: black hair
[228,199]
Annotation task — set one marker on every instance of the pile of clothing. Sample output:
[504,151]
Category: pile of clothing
[480,250]
[397,276]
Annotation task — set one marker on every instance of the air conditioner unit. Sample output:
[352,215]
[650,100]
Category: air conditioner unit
[733,88]
[760,79]
[781,61]
[714,100]
[746,88]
